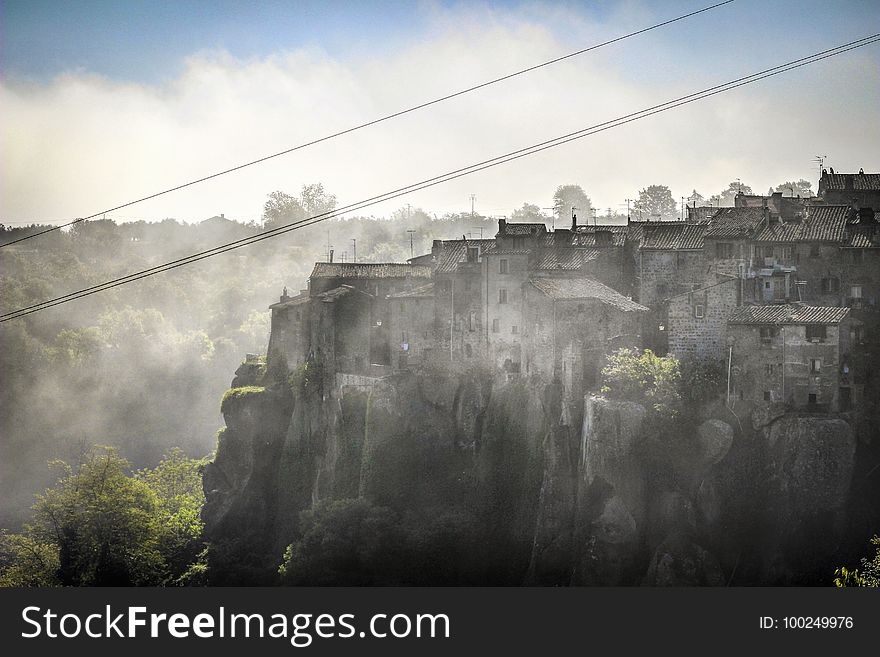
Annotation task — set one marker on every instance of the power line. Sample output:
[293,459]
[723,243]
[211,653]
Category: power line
[451,175]
[374,121]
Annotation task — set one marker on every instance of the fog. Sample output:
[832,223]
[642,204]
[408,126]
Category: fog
[143,366]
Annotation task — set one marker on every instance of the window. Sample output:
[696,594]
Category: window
[699,311]
[766,395]
[815,365]
[768,333]
[496,325]
[816,333]
[472,321]
[812,399]
[855,292]
[787,253]
[502,266]
[723,250]
[514,329]
[768,369]
[766,285]
[763,251]
[502,296]
[473,254]
[830,285]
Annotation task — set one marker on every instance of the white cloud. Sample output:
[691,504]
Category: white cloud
[81,143]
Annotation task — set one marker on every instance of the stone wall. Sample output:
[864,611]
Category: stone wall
[706,336]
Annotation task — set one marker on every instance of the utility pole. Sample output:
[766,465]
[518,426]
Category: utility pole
[682,208]
[411,232]
[354,250]
[473,198]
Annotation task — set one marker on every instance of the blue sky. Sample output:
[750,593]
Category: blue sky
[143,94]
[147,40]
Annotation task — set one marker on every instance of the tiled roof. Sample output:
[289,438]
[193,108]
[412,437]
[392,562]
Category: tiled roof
[565,289]
[524,229]
[455,251]
[336,293]
[734,222]
[369,270]
[775,231]
[792,313]
[567,259]
[825,223]
[586,235]
[701,214]
[863,237]
[677,236]
[298,300]
[860,181]
[420,292]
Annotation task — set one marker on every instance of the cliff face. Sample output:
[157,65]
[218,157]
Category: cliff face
[554,494]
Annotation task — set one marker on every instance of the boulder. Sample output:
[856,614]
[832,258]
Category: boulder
[715,438]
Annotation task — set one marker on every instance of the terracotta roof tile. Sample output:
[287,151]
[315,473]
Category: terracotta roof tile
[792,313]
[734,223]
[565,289]
[369,270]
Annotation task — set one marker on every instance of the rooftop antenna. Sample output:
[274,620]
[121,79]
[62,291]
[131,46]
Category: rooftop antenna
[628,201]
[411,233]
[593,212]
[820,162]
[354,250]
[479,228]
[473,198]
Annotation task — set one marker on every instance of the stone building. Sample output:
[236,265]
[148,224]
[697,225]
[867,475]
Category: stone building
[860,190]
[411,315]
[793,353]
[569,325]
[697,320]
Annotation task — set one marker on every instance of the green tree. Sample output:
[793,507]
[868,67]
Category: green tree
[867,575]
[567,197]
[646,378]
[345,542]
[177,484]
[104,523]
[655,203]
[101,526]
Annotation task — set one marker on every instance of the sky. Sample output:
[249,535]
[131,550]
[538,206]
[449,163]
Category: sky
[107,101]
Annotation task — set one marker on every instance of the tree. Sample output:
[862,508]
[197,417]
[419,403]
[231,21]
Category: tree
[314,200]
[646,378]
[281,209]
[100,526]
[346,542]
[568,197]
[528,213]
[655,202]
[868,575]
[802,188]
[725,198]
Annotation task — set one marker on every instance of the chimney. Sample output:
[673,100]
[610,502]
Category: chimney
[502,226]
[331,255]
[574,221]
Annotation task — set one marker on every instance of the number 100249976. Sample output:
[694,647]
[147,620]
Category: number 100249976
[808,622]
